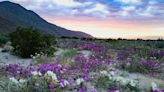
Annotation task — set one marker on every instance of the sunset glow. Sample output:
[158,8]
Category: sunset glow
[109,28]
[103,18]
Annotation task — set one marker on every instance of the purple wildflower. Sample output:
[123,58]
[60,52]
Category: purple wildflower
[51,86]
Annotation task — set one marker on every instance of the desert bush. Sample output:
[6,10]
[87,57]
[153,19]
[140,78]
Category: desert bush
[41,58]
[160,45]
[3,39]
[132,64]
[49,46]
[28,41]
[67,55]
[105,83]
[113,83]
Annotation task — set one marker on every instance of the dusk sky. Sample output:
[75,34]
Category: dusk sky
[103,18]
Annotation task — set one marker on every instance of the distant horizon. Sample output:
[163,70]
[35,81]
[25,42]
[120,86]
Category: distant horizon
[129,19]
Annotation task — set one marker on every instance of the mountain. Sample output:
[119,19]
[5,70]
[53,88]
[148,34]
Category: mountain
[13,15]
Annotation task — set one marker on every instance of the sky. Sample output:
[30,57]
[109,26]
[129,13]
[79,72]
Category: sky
[103,18]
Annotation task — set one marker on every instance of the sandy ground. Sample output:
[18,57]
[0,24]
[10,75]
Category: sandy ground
[144,81]
[7,58]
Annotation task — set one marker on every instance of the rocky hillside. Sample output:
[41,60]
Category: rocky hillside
[13,15]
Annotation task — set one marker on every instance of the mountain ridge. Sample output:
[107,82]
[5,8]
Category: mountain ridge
[13,15]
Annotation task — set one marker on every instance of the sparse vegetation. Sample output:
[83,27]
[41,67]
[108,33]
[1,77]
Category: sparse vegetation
[28,41]
[88,66]
[3,39]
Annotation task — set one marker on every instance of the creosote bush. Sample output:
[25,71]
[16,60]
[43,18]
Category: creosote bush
[28,41]
[3,39]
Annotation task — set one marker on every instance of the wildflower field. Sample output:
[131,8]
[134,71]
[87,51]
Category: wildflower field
[82,65]
[81,45]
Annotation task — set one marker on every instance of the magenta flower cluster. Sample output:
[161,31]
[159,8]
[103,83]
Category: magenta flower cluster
[151,64]
[157,53]
[17,70]
[86,46]
[92,63]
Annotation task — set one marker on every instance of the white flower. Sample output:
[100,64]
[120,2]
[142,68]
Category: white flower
[128,64]
[132,83]
[22,81]
[38,55]
[50,73]
[112,73]
[154,86]
[116,91]
[18,71]
[65,83]
[79,81]
[36,84]
[124,81]
[39,73]
[14,80]
[119,78]
[61,84]
[53,75]
[7,64]
[34,73]
[104,72]
[33,57]
[110,77]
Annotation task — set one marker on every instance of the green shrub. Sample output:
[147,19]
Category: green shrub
[3,39]
[159,44]
[28,41]
[105,83]
[49,44]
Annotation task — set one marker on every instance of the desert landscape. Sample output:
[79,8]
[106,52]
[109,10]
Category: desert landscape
[38,56]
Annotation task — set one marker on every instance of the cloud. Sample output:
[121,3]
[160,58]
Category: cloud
[152,2]
[98,9]
[66,3]
[129,8]
[129,1]
[126,9]
[65,7]
[153,10]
